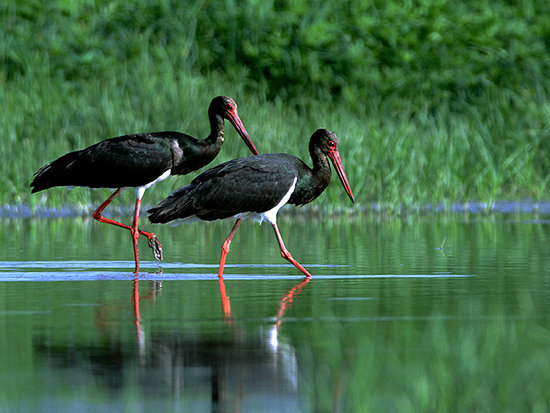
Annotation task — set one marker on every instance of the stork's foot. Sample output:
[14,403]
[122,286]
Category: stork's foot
[156,246]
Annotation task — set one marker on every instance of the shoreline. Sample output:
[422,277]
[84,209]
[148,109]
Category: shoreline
[25,211]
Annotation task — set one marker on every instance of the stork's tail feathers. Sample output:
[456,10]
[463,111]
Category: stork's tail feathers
[56,173]
[175,206]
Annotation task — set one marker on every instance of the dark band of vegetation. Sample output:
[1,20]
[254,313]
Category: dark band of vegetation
[433,101]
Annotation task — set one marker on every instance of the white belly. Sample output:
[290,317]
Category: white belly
[271,215]
[141,190]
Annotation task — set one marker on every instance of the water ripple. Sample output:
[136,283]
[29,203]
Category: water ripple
[106,270]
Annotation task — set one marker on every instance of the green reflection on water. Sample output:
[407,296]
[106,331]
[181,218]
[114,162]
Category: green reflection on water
[370,245]
[477,343]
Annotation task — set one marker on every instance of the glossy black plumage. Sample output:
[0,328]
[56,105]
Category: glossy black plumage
[139,161]
[255,185]
[231,188]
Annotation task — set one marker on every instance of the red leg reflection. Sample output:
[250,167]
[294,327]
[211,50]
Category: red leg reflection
[140,337]
[287,300]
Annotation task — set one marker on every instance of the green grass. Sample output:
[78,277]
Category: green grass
[432,103]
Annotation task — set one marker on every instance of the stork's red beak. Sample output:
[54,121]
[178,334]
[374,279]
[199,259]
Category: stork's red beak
[334,156]
[233,117]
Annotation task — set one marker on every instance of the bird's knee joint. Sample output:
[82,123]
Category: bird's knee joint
[225,249]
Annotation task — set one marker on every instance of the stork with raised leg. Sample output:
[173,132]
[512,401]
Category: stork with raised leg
[139,161]
[257,187]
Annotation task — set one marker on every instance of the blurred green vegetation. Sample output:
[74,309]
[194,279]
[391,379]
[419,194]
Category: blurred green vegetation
[432,100]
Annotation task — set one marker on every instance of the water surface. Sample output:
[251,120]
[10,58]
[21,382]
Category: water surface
[435,313]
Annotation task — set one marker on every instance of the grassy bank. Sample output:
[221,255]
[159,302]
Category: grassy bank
[432,103]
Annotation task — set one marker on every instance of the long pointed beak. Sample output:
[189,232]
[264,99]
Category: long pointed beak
[238,125]
[334,156]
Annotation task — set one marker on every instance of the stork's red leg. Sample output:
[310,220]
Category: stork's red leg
[225,247]
[97,215]
[153,241]
[225,299]
[286,254]
[135,234]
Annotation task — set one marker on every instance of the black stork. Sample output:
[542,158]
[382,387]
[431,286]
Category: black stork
[139,161]
[257,187]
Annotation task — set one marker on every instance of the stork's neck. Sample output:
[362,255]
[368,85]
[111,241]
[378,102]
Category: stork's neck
[321,165]
[311,181]
[216,129]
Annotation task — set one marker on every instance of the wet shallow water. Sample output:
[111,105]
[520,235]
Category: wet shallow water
[434,313]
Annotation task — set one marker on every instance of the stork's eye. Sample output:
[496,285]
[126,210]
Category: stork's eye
[331,144]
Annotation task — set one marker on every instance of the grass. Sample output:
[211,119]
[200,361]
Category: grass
[72,74]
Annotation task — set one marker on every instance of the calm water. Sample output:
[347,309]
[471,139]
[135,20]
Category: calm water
[428,314]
